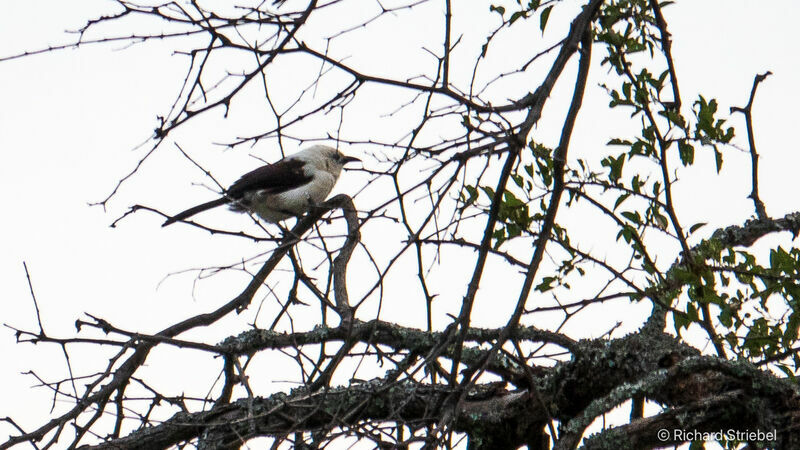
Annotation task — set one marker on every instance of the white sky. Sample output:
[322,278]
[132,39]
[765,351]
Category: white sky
[69,119]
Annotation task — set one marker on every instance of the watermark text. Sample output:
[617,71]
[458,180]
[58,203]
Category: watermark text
[673,435]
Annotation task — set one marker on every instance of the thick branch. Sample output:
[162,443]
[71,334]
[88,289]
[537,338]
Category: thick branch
[576,392]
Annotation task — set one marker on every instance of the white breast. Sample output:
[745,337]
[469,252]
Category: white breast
[294,202]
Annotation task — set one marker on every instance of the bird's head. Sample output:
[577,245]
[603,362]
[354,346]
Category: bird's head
[327,158]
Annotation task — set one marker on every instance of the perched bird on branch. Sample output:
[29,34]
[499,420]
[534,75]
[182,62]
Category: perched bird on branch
[281,190]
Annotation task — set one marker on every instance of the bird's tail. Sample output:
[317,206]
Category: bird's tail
[194,210]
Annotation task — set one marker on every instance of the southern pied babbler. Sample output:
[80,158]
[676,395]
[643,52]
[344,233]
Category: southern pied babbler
[281,190]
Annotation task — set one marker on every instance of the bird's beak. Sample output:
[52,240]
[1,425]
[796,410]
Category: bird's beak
[348,159]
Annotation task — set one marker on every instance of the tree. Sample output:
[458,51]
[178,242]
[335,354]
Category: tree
[468,208]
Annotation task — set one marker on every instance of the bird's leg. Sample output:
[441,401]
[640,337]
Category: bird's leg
[312,206]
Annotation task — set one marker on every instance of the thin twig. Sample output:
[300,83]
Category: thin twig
[761,211]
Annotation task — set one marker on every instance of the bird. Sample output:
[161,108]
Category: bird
[284,189]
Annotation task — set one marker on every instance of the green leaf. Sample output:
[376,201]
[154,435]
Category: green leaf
[621,199]
[626,89]
[661,222]
[682,276]
[501,10]
[632,216]
[636,183]
[686,152]
[617,141]
[615,165]
[516,16]
[726,317]
[473,195]
[697,226]
[543,18]
[674,116]
[680,321]
[500,237]
[529,170]
[546,284]
[511,200]
[718,159]
[691,311]
[545,172]
[790,334]
[628,233]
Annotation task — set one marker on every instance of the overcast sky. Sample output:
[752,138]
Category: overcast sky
[70,121]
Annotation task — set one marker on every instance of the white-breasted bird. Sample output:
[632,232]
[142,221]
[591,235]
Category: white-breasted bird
[283,189]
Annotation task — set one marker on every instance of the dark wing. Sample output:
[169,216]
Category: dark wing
[273,179]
